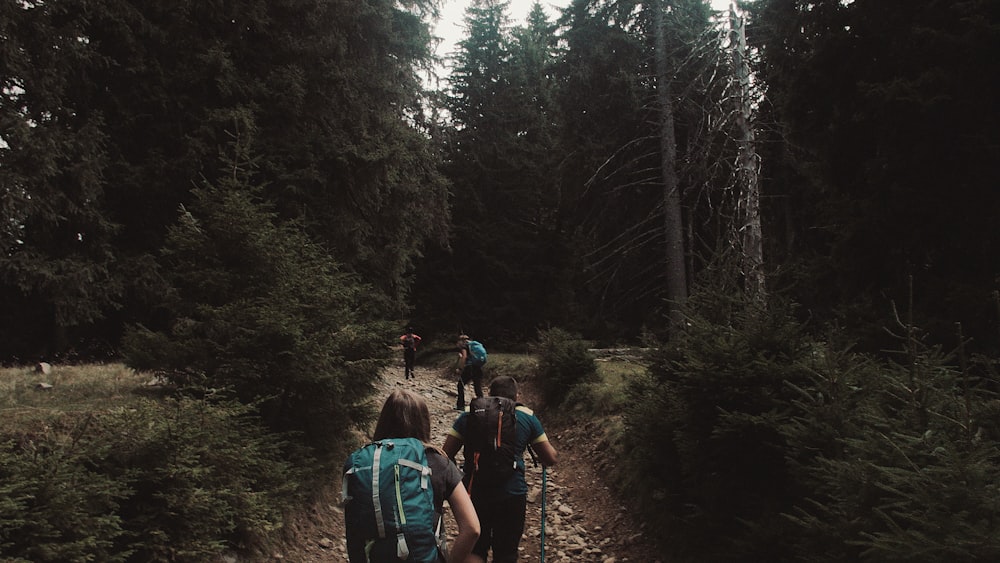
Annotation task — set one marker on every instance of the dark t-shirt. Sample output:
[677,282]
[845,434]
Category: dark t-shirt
[445,476]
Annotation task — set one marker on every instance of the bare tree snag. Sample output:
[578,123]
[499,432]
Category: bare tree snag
[673,227]
[748,184]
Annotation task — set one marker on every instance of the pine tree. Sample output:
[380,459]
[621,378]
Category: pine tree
[58,274]
[510,266]
[885,144]
[261,310]
[113,111]
[709,418]
[643,156]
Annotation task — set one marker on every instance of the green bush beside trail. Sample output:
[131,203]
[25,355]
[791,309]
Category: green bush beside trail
[750,439]
[159,480]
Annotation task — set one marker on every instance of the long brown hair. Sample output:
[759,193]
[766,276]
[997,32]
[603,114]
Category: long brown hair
[404,415]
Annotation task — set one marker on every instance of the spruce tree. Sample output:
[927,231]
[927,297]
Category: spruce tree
[900,457]
[511,263]
[709,418]
[261,311]
[879,110]
[643,166]
[58,273]
[113,112]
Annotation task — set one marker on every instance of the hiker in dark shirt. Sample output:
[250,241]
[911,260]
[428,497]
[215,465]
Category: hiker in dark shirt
[409,342]
[467,370]
[405,415]
[501,507]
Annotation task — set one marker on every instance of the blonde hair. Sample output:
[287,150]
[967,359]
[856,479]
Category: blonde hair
[404,415]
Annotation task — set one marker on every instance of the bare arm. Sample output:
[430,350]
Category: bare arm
[468,525]
[546,453]
[451,446]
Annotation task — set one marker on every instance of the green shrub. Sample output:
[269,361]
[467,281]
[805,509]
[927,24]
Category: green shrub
[174,480]
[900,457]
[54,505]
[750,441]
[564,362]
[205,477]
[703,442]
[260,309]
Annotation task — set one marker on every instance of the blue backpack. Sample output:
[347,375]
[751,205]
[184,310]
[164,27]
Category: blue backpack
[477,353]
[389,503]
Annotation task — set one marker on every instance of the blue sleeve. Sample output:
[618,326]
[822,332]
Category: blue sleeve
[459,426]
[536,429]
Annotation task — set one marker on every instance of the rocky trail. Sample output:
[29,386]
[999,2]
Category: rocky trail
[584,522]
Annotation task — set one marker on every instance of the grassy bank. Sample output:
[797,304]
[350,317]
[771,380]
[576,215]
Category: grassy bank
[27,393]
[97,464]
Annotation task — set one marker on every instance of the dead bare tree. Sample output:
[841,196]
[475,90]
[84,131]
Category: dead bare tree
[749,232]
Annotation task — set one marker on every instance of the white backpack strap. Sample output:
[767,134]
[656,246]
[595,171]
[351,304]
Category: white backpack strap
[402,550]
[439,538]
[376,498]
[343,493]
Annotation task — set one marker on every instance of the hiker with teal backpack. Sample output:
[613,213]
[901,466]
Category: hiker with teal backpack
[494,433]
[394,491]
[471,359]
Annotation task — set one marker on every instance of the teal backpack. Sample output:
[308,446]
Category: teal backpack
[477,353]
[389,503]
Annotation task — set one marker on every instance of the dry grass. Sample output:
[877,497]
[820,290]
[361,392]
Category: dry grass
[25,395]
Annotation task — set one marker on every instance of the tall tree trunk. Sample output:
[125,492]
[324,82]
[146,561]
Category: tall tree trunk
[748,185]
[672,216]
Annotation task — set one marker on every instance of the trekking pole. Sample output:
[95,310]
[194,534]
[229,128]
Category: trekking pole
[542,540]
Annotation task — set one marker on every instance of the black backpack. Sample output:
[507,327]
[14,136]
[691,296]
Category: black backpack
[490,450]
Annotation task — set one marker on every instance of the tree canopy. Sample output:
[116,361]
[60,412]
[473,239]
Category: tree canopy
[530,191]
[114,111]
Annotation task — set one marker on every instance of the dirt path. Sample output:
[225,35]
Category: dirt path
[584,522]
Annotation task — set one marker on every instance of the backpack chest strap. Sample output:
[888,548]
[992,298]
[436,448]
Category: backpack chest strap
[425,472]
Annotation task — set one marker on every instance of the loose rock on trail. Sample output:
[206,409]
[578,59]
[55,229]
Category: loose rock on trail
[585,523]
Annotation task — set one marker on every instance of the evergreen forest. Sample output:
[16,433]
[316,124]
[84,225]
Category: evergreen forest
[792,205]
